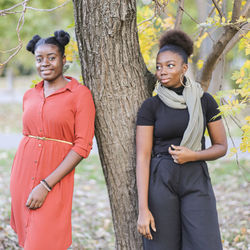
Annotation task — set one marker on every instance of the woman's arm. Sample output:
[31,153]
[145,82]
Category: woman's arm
[144,142]
[218,149]
[39,193]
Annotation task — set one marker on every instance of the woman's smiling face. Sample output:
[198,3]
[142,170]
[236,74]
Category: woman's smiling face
[170,69]
[49,61]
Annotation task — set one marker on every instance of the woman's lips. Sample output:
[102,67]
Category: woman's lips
[46,71]
[165,80]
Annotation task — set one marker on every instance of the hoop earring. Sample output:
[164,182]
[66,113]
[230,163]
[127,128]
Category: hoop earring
[182,83]
[181,80]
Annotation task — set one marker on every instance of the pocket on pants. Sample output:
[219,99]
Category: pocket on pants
[205,169]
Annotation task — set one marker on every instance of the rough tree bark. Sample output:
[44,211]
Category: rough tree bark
[179,14]
[114,70]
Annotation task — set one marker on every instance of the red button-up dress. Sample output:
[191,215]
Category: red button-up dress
[68,115]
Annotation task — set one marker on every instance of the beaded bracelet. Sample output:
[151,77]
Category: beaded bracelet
[46,185]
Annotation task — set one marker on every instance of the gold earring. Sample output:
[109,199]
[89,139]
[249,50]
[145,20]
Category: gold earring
[181,81]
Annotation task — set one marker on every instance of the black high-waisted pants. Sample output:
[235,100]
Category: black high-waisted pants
[182,202]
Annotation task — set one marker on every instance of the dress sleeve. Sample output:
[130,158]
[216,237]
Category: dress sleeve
[84,122]
[146,114]
[211,108]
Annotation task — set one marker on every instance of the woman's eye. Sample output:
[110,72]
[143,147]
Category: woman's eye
[38,60]
[158,67]
[51,58]
[170,65]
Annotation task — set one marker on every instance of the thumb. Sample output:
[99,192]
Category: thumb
[176,147]
[152,222]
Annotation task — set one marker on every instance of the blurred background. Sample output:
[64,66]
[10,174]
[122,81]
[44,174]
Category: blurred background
[92,223]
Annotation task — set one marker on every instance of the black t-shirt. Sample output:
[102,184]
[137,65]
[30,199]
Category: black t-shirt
[169,123]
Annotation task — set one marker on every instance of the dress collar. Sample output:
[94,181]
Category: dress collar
[69,86]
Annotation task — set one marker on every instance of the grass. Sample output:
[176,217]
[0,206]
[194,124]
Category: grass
[10,118]
[91,216]
[221,171]
[91,169]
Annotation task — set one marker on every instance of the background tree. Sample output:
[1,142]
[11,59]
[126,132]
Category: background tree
[114,70]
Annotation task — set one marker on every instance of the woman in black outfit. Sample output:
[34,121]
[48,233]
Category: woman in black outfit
[177,207]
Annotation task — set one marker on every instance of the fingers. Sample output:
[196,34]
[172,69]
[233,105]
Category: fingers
[33,204]
[174,154]
[176,147]
[148,234]
[145,231]
[152,222]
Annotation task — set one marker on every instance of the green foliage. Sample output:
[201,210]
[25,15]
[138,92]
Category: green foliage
[36,22]
[151,24]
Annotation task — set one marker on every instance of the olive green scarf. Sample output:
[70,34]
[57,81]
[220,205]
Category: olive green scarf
[191,99]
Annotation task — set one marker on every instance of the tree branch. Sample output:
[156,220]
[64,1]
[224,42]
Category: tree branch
[179,14]
[243,31]
[189,15]
[236,10]
[146,20]
[246,10]
[48,10]
[6,11]
[218,8]
[228,32]
[20,25]
[18,29]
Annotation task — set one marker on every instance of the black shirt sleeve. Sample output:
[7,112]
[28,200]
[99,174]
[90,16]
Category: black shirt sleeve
[146,113]
[211,108]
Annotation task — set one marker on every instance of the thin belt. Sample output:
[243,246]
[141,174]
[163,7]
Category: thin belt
[49,139]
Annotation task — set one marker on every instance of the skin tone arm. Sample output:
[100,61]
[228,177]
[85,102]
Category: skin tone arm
[218,149]
[39,193]
[144,142]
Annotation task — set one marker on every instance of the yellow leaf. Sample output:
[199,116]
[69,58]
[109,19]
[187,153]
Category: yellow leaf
[247,118]
[239,80]
[200,39]
[233,150]
[200,64]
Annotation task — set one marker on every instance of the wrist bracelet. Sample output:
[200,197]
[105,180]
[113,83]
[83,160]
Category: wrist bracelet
[46,185]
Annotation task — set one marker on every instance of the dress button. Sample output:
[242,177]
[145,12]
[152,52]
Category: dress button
[35,161]
[41,130]
[39,145]
[32,178]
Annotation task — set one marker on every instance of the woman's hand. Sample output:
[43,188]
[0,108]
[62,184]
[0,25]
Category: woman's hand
[181,154]
[145,220]
[36,197]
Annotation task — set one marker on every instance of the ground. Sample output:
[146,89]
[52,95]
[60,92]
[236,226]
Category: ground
[91,217]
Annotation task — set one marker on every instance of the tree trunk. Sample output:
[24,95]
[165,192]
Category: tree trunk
[114,71]
[218,74]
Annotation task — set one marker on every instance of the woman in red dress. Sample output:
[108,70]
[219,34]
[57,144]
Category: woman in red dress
[58,128]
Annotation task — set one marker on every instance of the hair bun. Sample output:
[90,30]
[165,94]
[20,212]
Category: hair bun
[62,37]
[178,38]
[32,43]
